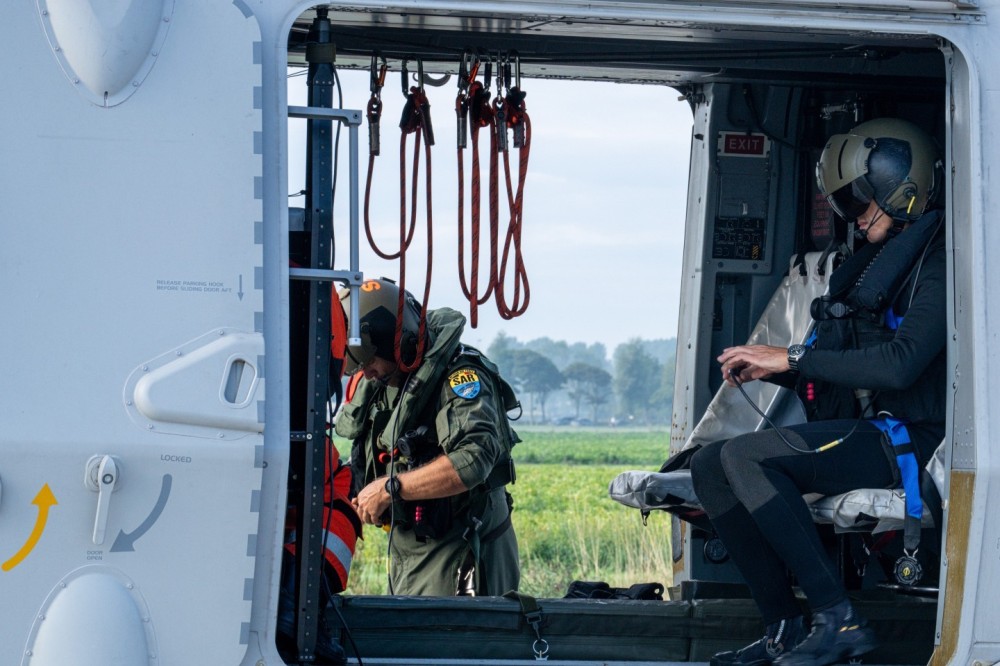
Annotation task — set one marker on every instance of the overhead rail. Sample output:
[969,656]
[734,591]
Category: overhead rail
[869,5]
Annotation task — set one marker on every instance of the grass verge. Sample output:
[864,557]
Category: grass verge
[567,526]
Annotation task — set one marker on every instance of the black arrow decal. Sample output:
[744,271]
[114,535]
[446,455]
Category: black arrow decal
[125,540]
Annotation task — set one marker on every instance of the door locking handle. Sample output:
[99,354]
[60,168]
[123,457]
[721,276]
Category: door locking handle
[102,477]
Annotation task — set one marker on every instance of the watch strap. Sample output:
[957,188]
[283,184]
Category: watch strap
[394,488]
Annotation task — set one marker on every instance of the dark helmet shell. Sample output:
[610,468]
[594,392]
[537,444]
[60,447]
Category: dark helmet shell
[377,304]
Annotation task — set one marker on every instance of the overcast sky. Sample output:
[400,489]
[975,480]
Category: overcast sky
[603,207]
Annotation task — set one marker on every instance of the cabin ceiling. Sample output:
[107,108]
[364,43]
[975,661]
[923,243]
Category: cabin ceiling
[634,51]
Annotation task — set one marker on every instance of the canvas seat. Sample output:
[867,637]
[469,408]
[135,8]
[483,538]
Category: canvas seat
[872,510]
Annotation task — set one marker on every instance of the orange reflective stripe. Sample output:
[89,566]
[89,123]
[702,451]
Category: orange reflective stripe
[338,331]
[352,385]
[341,524]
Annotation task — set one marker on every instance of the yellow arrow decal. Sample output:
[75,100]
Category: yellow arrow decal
[44,499]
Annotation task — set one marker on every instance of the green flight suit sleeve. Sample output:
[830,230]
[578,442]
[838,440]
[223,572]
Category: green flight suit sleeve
[468,424]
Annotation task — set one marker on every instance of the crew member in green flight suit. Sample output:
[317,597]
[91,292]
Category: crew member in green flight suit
[431,449]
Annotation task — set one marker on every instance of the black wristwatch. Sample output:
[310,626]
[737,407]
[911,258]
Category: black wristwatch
[394,488]
[795,354]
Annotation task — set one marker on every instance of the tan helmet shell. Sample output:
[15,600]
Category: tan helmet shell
[897,159]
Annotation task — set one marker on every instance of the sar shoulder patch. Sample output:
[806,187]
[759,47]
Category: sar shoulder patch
[465,383]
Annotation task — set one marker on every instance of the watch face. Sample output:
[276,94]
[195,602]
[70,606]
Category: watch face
[392,486]
[795,352]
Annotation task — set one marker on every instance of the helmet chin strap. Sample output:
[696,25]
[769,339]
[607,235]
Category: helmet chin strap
[862,234]
[897,226]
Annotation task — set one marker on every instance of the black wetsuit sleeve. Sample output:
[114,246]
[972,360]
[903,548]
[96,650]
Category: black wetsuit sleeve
[898,363]
[786,380]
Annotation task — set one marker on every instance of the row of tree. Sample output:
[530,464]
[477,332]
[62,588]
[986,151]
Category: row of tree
[561,380]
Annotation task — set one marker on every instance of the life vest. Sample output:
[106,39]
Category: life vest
[858,313]
[370,460]
[418,402]
[858,310]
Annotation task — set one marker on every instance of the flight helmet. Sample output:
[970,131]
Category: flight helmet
[889,160]
[377,303]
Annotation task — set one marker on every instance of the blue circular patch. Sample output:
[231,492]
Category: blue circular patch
[465,383]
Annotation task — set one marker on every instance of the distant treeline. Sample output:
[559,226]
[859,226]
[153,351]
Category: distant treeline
[576,383]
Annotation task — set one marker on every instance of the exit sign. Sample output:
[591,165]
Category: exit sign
[742,144]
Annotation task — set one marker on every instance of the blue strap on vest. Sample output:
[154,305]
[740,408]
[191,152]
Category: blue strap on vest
[894,430]
[892,320]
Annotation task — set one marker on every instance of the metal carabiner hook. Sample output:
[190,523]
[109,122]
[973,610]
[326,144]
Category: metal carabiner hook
[420,74]
[468,67]
[517,68]
[377,74]
[488,72]
[405,79]
[508,77]
[463,70]
[501,66]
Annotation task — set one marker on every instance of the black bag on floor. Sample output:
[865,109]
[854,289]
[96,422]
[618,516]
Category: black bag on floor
[581,589]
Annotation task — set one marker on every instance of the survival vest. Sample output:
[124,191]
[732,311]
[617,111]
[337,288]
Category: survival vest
[418,443]
[859,312]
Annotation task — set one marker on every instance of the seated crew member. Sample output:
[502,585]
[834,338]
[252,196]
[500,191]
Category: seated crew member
[431,450]
[881,333]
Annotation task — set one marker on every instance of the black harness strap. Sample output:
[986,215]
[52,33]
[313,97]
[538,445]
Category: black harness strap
[497,531]
[533,614]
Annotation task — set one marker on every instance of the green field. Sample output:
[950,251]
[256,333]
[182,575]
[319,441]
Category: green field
[567,526]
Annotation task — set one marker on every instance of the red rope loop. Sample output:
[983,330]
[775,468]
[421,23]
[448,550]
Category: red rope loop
[515,113]
[374,114]
[480,115]
[416,119]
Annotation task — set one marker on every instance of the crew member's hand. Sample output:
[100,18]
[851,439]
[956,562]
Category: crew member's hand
[437,478]
[372,502]
[751,362]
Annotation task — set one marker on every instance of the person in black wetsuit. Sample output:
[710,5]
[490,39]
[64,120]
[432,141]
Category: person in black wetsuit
[881,336]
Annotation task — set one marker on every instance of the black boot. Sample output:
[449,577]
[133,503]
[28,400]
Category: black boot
[778,639]
[837,634]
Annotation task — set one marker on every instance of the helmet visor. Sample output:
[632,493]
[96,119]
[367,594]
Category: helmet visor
[853,199]
[358,356]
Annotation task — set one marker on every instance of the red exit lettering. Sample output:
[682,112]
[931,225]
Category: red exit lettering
[732,143]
